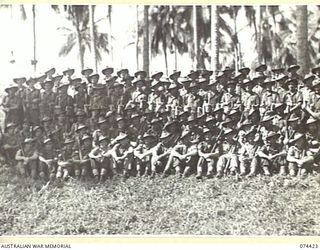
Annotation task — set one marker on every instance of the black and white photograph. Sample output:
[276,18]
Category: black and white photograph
[159,120]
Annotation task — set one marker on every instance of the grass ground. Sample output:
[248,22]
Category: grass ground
[258,206]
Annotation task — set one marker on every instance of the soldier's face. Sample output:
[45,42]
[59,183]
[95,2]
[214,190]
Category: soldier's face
[38,133]
[80,118]
[11,130]
[69,146]
[104,126]
[207,136]
[104,143]
[25,126]
[313,128]
[48,146]
[121,124]
[47,87]
[87,143]
[27,146]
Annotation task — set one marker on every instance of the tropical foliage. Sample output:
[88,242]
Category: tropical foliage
[79,33]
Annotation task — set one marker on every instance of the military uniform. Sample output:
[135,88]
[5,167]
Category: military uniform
[27,158]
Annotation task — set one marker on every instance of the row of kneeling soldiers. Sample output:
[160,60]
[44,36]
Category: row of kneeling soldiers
[202,152]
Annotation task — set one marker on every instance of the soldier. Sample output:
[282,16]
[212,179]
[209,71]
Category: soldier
[38,135]
[47,100]
[252,100]
[174,100]
[192,99]
[143,154]
[208,154]
[183,156]
[269,156]
[31,103]
[20,93]
[11,105]
[10,142]
[48,159]
[228,161]
[27,158]
[25,132]
[102,130]
[156,126]
[247,154]
[293,72]
[81,98]
[298,156]
[312,129]
[123,74]
[121,125]
[269,97]
[102,160]
[230,99]
[157,97]
[65,162]
[65,102]
[122,155]
[98,100]
[134,129]
[47,126]
[80,120]
[49,73]
[107,72]
[82,161]
[293,99]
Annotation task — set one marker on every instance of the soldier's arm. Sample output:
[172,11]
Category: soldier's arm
[261,154]
[315,115]
[193,152]
[19,156]
[290,156]
[143,155]
[34,156]
[93,154]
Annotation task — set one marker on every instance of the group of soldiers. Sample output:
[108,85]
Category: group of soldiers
[248,122]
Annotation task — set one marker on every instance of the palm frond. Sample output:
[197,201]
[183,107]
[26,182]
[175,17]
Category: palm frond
[23,14]
[68,46]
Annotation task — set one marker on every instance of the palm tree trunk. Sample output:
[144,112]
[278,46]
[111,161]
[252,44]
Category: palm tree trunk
[34,38]
[258,34]
[79,42]
[236,59]
[302,38]
[195,37]
[137,37]
[110,34]
[93,37]
[146,39]
[214,40]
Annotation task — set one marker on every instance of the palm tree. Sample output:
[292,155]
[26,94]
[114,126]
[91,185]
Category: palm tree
[302,38]
[110,33]
[145,57]
[171,29]
[93,37]
[214,40]
[79,34]
[34,61]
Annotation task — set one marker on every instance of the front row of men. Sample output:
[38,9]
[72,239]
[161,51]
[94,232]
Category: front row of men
[206,151]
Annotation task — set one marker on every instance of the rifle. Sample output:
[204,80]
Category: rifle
[20,145]
[79,147]
[217,141]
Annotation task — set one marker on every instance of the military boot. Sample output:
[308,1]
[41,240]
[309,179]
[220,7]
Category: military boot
[186,172]
[266,171]
[283,171]
[219,174]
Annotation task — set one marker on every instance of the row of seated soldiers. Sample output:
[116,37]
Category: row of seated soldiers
[235,124]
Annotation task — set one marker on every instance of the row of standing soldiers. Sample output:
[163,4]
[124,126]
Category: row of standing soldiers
[234,123]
